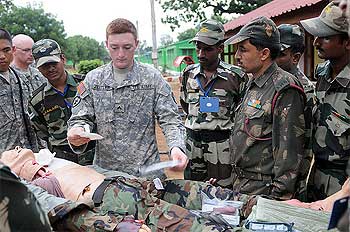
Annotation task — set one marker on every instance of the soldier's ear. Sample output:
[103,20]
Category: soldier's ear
[296,57]
[265,54]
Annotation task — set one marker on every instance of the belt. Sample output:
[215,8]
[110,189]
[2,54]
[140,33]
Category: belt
[241,173]
[100,190]
[208,135]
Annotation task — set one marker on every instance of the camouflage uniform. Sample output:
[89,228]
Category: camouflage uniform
[207,141]
[32,78]
[293,37]
[331,135]
[19,210]
[50,109]
[331,142]
[161,210]
[49,113]
[15,123]
[125,115]
[267,145]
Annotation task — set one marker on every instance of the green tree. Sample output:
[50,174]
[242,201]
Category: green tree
[188,34]
[165,40]
[194,11]
[86,66]
[31,21]
[84,48]
[5,5]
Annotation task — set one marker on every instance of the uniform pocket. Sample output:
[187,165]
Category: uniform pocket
[339,128]
[254,123]
[6,110]
[104,106]
[193,103]
[337,125]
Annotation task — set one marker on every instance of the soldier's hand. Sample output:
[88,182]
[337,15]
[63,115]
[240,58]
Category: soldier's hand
[177,154]
[74,137]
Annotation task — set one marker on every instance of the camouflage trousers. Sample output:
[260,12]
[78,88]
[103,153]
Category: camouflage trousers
[324,182]
[161,210]
[209,160]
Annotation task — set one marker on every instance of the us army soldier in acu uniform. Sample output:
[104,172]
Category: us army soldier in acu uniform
[23,60]
[331,140]
[209,94]
[15,123]
[292,48]
[123,100]
[51,104]
[267,142]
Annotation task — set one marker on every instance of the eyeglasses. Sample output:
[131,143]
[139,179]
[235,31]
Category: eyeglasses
[26,50]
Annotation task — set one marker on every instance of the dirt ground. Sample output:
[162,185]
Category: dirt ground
[162,146]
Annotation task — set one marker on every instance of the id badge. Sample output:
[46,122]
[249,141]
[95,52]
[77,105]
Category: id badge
[209,104]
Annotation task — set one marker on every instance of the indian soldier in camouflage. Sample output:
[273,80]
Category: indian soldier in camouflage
[208,128]
[292,38]
[123,100]
[15,123]
[23,62]
[19,210]
[267,142]
[51,104]
[331,137]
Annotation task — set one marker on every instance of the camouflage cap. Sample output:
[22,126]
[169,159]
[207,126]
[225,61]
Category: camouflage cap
[260,28]
[210,32]
[332,21]
[46,51]
[290,35]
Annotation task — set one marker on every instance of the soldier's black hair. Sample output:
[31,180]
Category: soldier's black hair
[4,34]
[274,48]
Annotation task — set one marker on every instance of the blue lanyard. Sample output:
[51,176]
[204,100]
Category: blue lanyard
[208,89]
[67,103]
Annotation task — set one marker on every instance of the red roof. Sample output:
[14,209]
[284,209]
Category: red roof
[270,10]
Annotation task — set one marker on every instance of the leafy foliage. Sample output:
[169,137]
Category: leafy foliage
[84,48]
[31,21]
[86,66]
[165,40]
[195,11]
[188,34]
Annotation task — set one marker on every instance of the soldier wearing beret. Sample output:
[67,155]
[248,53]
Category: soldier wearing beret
[220,86]
[267,142]
[331,136]
[50,106]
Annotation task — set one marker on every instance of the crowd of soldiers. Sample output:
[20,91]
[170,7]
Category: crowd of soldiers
[258,128]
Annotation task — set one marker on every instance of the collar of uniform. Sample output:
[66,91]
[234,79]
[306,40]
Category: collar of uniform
[222,67]
[199,70]
[132,77]
[70,81]
[260,81]
[342,78]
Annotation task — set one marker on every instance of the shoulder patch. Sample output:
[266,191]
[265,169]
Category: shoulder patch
[81,88]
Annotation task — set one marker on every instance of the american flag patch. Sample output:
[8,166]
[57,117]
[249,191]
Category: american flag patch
[81,88]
